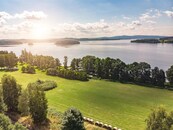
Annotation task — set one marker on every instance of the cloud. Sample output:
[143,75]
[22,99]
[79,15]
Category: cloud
[4,15]
[150,22]
[169,13]
[126,18]
[2,22]
[86,27]
[33,15]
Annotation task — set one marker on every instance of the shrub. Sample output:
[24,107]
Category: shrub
[159,119]
[51,71]
[5,122]
[18,126]
[72,120]
[28,69]
[48,85]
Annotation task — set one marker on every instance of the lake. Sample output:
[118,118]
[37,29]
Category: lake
[160,55]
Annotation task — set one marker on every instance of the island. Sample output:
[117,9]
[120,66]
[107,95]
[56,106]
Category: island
[66,42]
[159,40]
[10,42]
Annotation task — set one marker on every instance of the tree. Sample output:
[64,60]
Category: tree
[23,105]
[37,103]
[159,119]
[57,62]
[65,62]
[98,66]
[3,107]
[11,92]
[169,74]
[88,64]
[158,77]
[72,120]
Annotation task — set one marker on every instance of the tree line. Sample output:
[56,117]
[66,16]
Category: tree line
[117,70]
[103,68]
[8,60]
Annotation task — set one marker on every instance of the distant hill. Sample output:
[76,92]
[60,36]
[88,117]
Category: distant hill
[123,37]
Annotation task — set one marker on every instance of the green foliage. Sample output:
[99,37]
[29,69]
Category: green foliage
[23,105]
[88,64]
[65,62]
[51,71]
[11,92]
[28,69]
[5,122]
[18,126]
[8,59]
[3,107]
[42,62]
[69,74]
[72,120]
[48,85]
[159,119]
[158,77]
[75,64]
[169,74]
[37,103]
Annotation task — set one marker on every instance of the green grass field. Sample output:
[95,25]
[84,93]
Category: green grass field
[123,105]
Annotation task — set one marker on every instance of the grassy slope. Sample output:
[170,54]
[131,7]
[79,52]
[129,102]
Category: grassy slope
[122,105]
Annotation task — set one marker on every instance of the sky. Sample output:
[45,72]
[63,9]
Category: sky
[84,18]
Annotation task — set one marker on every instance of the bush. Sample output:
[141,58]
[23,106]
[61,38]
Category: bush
[72,120]
[18,126]
[159,119]
[5,122]
[51,71]
[48,85]
[28,69]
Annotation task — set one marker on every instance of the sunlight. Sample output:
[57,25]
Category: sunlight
[40,31]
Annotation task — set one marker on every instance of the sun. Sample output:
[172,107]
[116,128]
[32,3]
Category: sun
[40,31]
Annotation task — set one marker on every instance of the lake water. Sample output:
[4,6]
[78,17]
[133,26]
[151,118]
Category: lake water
[160,55]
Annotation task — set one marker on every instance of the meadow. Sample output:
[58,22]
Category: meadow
[122,105]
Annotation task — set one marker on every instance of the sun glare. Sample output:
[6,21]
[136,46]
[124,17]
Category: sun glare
[40,32]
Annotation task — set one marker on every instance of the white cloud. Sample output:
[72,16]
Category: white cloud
[86,27]
[126,18]
[4,15]
[33,15]
[2,22]
[169,13]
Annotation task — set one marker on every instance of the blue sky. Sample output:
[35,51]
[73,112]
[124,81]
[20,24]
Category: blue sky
[85,18]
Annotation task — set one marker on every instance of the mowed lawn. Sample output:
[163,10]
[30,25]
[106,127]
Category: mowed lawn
[122,105]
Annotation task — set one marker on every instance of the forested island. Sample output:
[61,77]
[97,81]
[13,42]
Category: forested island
[66,42]
[160,40]
[61,42]
[10,42]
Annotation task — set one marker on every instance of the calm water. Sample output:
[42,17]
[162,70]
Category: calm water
[160,55]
